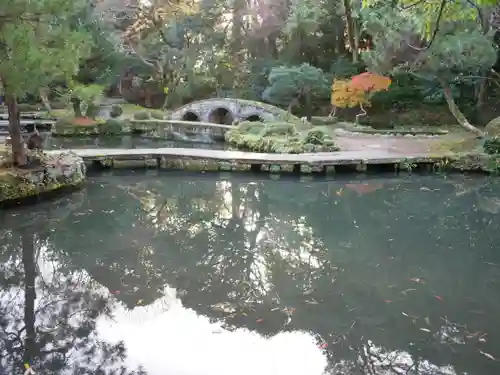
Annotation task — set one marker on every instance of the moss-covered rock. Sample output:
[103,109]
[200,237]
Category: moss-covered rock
[492,129]
[84,127]
[278,137]
[51,173]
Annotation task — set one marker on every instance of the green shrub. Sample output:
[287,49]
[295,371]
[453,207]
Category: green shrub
[64,122]
[279,137]
[92,110]
[157,115]
[279,128]
[492,145]
[116,111]
[111,127]
[142,115]
[492,129]
[324,120]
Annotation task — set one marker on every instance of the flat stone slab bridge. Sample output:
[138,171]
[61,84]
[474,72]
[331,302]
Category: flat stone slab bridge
[220,160]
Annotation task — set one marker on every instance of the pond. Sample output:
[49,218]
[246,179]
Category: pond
[180,274]
[52,143]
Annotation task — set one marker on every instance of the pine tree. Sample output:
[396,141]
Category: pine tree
[39,41]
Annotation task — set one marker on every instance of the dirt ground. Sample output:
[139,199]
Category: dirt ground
[399,144]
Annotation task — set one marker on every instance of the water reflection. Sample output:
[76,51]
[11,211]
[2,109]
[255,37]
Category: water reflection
[226,275]
[128,142]
[48,313]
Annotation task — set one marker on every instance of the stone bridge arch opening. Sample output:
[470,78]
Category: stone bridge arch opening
[221,116]
[254,118]
[190,116]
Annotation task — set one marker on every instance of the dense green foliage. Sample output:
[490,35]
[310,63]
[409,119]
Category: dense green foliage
[279,137]
[299,85]
[439,52]
[38,43]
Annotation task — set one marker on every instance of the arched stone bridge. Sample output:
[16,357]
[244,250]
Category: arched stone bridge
[226,111]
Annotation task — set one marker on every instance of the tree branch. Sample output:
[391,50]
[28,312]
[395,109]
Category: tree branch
[142,58]
[436,29]
[479,14]
[412,5]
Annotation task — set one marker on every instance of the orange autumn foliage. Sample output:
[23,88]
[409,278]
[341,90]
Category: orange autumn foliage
[83,121]
[370,82]
[358,90]
[344,95]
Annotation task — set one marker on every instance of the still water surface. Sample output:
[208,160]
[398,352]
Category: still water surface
[177,274]
[129,141]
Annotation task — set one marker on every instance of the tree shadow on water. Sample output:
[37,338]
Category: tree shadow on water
[48,315]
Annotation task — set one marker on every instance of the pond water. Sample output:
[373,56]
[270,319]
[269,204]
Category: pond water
[179,274]
[125,142]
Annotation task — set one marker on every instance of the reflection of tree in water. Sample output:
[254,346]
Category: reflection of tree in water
[250,253]
[47,320]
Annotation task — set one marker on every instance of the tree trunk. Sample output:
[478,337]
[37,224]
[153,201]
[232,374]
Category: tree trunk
[308,105]
[455,111]
[481,92]
[351,30]
[17,142]
[237,39]
[43,92]
[76,106]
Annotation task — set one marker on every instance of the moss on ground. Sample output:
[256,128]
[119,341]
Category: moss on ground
[50,173]
[279,137]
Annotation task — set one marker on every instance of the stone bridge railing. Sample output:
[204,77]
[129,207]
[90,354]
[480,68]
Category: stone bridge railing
[166,128]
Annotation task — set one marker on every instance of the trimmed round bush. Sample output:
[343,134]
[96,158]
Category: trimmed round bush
[278,137]
[142,115]
[157,115]
[111,127]
[116,111]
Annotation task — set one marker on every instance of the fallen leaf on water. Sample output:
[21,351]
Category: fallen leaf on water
[139,302]
[417,280]
[487,355]
[439,298]
[260,320]
[425,329]
[409,316]
[323,346]
[311,302]
[407,290]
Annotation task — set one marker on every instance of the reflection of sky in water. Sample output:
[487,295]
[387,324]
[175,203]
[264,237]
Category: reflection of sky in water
[178,341]
[167,338]
[171,335]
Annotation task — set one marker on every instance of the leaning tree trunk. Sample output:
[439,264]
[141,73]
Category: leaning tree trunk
[455,111]
[44,96]
[18,151]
